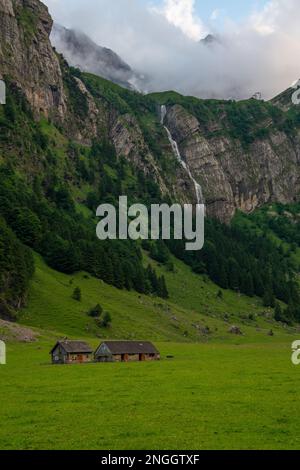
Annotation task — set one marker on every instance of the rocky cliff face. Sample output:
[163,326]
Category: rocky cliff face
[27,56]
[234,178]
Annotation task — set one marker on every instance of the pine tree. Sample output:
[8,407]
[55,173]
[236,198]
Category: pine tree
[119,277]
[108,273]
[163,291]
[159,252]
[220,295]
[141,284]
[128,275]
[222,277]
[233,274]
[290,314]
[213,270]
[152,277]
[278,313]
[106,321]
[269,298]
[250,285]
[258,285]
[77,294]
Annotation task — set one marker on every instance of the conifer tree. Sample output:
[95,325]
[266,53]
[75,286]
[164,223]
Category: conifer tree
[163,291]
[269,299]
[77,294]
[278,312]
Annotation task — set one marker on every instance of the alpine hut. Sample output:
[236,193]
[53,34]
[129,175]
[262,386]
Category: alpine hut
[126,351]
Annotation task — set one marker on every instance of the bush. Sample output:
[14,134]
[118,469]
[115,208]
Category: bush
[106,321]
[96,312]
[77,294]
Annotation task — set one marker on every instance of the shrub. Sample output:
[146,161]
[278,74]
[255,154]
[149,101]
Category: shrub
[106,321]
[96,312]
[77,294]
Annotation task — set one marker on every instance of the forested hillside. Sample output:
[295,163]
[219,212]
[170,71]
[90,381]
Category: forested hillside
[70,141]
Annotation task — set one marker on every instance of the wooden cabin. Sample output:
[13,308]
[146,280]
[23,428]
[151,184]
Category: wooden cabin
[71,352]
[126,351]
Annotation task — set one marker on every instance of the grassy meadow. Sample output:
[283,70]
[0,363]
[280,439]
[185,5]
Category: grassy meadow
[219,391]
[209,396]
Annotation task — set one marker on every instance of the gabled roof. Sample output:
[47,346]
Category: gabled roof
[129,347]
[74,347]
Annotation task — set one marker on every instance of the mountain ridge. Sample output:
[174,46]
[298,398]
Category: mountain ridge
[80,51]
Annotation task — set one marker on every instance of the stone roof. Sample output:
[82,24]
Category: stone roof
[129,347]
[74,347]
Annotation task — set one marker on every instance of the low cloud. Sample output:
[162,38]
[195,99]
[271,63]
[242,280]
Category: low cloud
[181,13]
[163,43]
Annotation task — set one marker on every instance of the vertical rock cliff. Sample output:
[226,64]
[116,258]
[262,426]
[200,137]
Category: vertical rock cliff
[27,57]
[232,176]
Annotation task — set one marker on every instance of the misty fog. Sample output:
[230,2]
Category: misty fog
[260,54]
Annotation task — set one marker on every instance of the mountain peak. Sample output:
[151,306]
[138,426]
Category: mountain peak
[210,40]
[82,52]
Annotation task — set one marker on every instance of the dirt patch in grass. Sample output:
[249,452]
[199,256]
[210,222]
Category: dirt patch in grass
[14,332]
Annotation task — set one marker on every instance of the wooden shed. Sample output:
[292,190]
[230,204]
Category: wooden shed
[126,351]
[71,352]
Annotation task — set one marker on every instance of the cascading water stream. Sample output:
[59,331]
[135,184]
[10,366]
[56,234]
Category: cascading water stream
[198,189]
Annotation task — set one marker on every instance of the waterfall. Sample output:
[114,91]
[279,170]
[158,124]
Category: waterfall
[198,189]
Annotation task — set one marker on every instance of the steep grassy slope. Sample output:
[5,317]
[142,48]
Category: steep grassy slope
[194,312]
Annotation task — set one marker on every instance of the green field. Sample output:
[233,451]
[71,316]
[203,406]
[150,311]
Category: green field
[208,397]
[219,391]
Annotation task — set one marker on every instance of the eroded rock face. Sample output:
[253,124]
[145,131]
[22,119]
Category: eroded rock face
[231,177]
[85,130]
[27,56]
[129,142]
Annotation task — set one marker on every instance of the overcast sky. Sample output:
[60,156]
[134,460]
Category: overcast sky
[259,47]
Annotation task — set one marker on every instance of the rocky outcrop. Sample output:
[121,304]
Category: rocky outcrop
[234,178]
[28,60]
[84,130]
[129,142]
[26,55]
